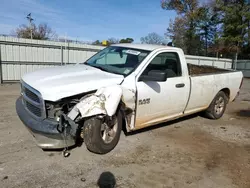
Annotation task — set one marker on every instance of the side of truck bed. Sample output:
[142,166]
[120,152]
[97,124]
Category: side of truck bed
[206,82]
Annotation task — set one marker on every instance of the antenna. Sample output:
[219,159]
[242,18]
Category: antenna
[30,21]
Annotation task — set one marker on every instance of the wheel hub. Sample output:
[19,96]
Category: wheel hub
[108,130]
[219,105]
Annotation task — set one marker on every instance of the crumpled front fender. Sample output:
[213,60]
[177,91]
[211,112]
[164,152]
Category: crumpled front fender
[104,101]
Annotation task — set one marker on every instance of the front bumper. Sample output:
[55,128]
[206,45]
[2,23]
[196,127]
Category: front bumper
[44,131]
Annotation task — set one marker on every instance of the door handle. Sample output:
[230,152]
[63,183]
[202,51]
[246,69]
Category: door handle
[180,85]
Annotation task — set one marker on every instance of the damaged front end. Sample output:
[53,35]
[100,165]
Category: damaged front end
[104,102]
[70,113]
[63,126]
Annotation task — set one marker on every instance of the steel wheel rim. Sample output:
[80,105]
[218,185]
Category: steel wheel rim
[108,133]
[219,105]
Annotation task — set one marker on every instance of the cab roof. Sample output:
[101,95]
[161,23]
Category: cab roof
[149,47]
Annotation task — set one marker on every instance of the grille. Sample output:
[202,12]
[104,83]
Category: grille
[33,109]
[31,95]
[32,101]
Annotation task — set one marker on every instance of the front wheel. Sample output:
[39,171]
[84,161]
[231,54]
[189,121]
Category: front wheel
[102,135]
[217,106]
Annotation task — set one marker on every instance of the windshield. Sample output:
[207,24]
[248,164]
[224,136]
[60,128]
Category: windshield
[118,60]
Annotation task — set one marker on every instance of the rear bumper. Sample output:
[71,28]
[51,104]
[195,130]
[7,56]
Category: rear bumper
[45,131]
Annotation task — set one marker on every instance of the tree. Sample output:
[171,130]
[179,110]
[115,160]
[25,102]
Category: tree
[127,40]
[40,32]
[97,42]
[235,18]
[220,26]
[113,41]
[153,38]
[176,32]
[180,6]
[187,14]
[195,27]
[207,25]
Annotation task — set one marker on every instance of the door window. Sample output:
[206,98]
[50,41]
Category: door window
[166,61]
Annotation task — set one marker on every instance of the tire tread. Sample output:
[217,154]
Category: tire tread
[92,138]
[209,113]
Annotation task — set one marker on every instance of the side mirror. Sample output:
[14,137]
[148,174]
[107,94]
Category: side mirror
[154,75]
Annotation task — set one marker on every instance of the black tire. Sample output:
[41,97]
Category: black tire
[212,112]
[93,138]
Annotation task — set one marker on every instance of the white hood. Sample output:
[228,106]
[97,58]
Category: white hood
[60,82]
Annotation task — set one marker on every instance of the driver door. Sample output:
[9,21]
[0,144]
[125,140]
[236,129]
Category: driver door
[158,101]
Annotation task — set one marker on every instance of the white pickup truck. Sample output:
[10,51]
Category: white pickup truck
[122,87]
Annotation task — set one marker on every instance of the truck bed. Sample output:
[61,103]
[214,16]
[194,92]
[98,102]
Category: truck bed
[204,69]
[206,82]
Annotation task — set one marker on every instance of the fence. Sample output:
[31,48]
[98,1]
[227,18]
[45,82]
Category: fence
[20,56]
[244,66]
[209,61]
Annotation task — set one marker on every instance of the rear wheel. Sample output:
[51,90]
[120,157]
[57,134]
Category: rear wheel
[217,107]
[102,135]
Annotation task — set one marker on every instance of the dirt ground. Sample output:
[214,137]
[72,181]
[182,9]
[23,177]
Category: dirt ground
[191,152]
[203,69]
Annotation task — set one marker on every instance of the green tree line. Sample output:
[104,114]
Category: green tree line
[219,28]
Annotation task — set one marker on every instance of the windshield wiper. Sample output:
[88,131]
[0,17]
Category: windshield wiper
[98,67]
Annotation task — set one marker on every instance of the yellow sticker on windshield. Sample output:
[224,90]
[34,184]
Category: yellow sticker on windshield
[133,52]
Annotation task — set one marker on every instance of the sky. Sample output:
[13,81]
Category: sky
[88,20]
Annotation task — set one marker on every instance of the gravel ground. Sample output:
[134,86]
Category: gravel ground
[190,152]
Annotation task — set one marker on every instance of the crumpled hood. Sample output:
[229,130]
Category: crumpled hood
[60,82]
